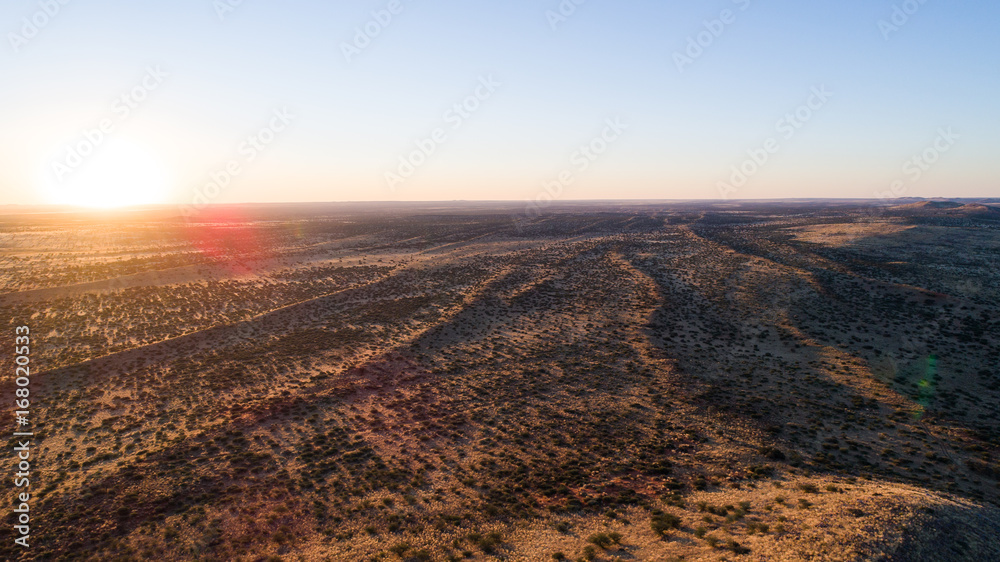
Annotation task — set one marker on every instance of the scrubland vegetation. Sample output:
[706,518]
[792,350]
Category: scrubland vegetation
[755,382]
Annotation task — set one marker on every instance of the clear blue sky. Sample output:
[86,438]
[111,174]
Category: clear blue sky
[894,90]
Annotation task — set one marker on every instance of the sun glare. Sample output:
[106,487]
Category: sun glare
[119,173]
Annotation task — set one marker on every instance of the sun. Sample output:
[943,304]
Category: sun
[118,173]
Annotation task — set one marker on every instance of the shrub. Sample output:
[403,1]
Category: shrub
[772,453]
[736,547]
[488,543]
[809,488]
[600,539]
[991,470]
[675,500]
[400,549]
[664,522]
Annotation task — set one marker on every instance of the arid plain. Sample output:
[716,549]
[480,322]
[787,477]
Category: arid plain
[676,381]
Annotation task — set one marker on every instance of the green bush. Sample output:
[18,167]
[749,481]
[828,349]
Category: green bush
[600,539]
[664,522]
[488,543]
[809,488]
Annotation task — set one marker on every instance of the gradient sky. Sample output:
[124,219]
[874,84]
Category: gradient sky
[894,92]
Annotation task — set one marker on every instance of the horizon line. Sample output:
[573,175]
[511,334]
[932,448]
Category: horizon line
[152,206]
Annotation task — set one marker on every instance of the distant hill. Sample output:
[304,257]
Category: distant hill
[931,205]
[947,208]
